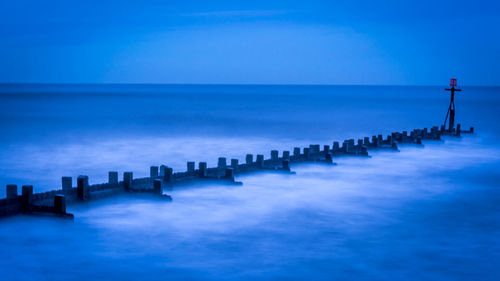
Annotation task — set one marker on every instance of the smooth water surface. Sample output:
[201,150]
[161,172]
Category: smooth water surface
[427,213]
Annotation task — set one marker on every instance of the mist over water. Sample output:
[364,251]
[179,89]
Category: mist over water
[427,213]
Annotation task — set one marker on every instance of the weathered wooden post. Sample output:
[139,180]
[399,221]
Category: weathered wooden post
[157,186]
[128,178]
[113,177]
[249,159]
[394,145]
[234,164]
[326,148]
[221,164]
[345,147]
[433,133]
[286,165]
[316,148]
[163,170]
[336,146]
[67,184]
[472,129]
[27,197]
[260,160]
[394,136]
[229,174]
[286,154]
[11,191]
[190,166]
[169,175]
[458,129]
[366,141]
[202,166]
[360,142]
[307,153]
[59,204]
[153,172]
[328,158]
[274,155]
[82,187]
[296,151]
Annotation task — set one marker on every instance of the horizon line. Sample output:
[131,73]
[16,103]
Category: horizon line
[226,84]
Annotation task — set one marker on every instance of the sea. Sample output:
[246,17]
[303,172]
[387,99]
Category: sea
[423,213]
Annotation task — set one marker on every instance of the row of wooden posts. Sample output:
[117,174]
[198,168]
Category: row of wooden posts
[54,202]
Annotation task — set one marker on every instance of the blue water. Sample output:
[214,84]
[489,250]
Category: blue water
[422,214]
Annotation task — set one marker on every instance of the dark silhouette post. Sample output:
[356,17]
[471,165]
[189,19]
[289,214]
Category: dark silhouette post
[451,108]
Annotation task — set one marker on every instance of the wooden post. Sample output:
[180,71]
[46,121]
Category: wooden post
[274,155]
[67,184]
[202,166]
[221,164]
[260,160]
[394,145]
[286,154]
[296,151]
[336,146]
[286,165]
[328,158]
[27,197]
[113,177]
[11,191]
[128,178]
[153,172]
[163,168]
[157,186]
[82,187]
[59,204]
[316,148]
[234,164]
[190,166]
[229,174]
[307,153]
[345,146]
[169,175]
[249,159]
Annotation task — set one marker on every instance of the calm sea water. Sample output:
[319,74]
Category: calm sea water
[422,214]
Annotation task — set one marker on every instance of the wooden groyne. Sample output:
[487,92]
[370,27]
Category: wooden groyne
[162,177]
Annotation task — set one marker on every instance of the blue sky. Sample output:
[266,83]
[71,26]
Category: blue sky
[251,42]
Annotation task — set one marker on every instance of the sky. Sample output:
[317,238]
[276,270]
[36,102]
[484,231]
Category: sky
[250,42]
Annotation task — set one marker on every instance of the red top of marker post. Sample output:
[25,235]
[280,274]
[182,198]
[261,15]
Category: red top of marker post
[453,82]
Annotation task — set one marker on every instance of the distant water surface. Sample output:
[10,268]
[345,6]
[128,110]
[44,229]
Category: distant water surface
[422,214]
